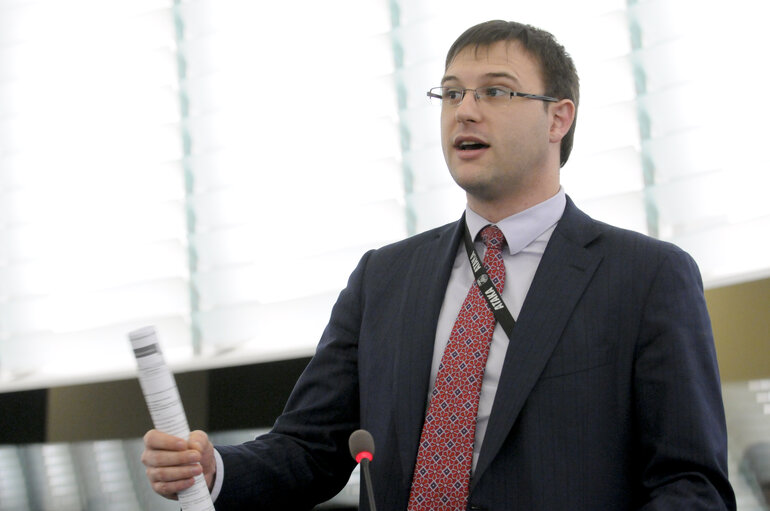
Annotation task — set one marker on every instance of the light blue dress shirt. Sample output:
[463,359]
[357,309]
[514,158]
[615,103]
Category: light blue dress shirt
[527,234]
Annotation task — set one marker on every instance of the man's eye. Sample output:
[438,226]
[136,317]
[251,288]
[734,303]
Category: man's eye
[453,94]
[496,92]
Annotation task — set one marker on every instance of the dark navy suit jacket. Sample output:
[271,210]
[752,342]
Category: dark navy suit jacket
[609,398]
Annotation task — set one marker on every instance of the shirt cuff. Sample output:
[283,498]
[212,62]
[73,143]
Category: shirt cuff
[219,476]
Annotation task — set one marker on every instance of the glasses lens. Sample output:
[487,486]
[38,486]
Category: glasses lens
[452,95]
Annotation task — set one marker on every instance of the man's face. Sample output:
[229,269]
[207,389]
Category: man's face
[509,142]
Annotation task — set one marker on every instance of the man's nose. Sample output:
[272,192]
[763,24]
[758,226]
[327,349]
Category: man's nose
[469,108]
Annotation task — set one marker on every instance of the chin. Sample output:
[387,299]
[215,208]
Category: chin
[483,189]
[467,172]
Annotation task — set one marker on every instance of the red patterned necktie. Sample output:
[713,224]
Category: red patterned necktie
[443,469]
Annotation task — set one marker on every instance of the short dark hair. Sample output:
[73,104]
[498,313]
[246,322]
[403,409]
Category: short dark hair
[558,70]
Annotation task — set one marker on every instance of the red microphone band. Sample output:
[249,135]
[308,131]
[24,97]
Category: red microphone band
[363,454]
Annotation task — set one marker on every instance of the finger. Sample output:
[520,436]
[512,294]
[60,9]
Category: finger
[160,458]
[179,474]
[155,439]
[171,489]
[199,441]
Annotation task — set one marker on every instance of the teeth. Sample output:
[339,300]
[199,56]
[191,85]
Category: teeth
[470,144]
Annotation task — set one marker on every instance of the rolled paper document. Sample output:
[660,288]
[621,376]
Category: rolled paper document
[165,406]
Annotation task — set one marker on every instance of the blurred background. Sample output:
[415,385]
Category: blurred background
[217,168]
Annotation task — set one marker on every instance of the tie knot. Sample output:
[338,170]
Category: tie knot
[492,237]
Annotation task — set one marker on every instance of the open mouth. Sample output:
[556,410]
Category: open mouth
[470,145]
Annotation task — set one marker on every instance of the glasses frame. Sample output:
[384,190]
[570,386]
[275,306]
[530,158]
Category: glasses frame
[432,93]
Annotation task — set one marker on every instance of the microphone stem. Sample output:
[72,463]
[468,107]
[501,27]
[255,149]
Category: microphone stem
[368,480]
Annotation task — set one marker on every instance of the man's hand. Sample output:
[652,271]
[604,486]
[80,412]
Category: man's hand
[173,462]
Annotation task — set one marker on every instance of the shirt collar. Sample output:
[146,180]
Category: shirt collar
[524,227]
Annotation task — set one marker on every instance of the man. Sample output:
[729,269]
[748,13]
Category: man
[601,393]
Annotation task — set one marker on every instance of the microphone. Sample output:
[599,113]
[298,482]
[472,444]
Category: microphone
[361,446]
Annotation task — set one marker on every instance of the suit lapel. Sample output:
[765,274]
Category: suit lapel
[427,280]
[564,272]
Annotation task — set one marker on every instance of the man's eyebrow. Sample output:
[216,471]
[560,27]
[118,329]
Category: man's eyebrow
[509,76]
[500,74]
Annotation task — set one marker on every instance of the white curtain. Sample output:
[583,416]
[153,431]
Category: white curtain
[217,168]
[92,225]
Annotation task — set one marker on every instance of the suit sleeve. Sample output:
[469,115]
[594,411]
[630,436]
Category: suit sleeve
[305,459]
[679,413]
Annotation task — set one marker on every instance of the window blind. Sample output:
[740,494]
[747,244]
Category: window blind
[293,164]
[217,168]
[696,66]
[92,232]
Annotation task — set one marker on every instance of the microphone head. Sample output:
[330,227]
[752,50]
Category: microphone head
[361,445]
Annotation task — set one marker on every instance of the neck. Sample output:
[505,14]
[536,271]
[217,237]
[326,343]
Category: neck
[496,209]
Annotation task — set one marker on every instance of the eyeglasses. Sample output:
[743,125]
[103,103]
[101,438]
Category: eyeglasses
[453,96]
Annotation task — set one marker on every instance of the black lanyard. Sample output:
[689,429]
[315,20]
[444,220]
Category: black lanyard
[493,297]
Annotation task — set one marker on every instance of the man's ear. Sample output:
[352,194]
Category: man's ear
[562,117]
